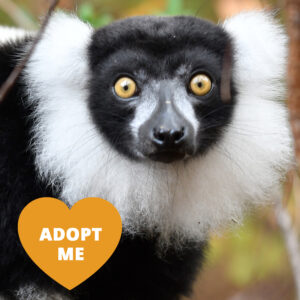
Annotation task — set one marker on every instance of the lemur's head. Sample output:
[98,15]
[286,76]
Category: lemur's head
[143,114]
[156,86]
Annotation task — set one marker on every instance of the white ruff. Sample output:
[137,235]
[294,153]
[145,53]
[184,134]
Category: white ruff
[190,198]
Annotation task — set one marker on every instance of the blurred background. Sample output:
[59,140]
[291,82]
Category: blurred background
[252,261]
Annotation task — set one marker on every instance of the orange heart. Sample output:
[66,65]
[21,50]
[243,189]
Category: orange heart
[69,245]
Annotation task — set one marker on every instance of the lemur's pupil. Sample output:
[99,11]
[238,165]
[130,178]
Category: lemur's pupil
[126,87]
[199,84]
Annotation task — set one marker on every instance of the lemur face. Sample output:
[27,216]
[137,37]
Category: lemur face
[159,97]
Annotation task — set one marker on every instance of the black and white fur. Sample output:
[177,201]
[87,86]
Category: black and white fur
[64,134]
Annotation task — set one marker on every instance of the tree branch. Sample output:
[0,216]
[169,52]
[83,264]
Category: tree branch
[290,235]
[12,78]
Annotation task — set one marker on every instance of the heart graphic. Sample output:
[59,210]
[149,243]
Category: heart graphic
[69,245]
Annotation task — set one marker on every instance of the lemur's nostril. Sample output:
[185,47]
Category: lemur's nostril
[160,134]
[177,135]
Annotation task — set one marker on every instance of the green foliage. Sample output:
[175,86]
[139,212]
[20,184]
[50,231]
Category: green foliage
[175,7]
[5,19]
[253,252]
[255,257]
[87,13]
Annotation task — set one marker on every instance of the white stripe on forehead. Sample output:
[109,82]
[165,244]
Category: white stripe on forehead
[145,107]
[184,104]
[149,100]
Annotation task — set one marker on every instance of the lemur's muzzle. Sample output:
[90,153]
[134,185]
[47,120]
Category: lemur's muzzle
[167,134]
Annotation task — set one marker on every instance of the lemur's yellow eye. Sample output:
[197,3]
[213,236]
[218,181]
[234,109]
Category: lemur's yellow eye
[200,85]
[125,87]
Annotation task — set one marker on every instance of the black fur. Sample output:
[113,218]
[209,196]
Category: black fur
[136,270]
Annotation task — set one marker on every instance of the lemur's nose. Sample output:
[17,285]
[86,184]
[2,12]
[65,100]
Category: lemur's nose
[170,143]
[168,138]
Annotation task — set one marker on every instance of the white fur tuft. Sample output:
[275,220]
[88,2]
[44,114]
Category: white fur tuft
[190,198]
[10,34]
[260,43]
[32,292]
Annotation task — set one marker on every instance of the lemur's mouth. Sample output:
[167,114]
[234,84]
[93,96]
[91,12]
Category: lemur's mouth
[167,156]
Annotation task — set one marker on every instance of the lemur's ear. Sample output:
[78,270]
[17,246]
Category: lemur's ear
[260,53]
[61,56]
